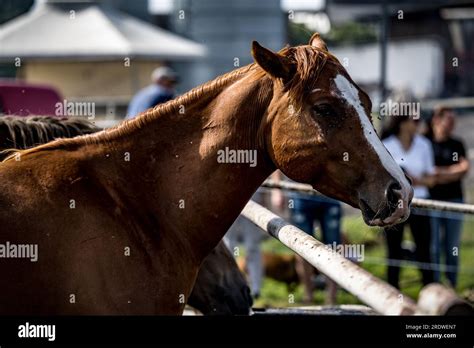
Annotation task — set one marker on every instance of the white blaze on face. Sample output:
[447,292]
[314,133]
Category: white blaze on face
[350,93]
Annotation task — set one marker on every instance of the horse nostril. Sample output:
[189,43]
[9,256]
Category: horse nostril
[393,193]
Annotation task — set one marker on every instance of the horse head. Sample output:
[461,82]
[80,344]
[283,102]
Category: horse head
[319,131]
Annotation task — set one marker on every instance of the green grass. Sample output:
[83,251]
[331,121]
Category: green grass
[276,294]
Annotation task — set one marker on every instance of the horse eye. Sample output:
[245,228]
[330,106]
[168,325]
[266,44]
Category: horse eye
[323,109]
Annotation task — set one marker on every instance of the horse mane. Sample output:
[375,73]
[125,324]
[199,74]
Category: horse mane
[17,132]
[308,60]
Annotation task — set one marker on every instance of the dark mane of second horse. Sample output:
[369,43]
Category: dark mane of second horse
[24,132]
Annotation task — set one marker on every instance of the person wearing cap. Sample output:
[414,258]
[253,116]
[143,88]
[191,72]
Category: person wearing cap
[160,91]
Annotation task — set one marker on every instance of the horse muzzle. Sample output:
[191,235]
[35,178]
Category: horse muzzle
[394,208]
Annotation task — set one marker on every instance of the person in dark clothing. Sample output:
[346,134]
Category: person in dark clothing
[452,165]
[164,81]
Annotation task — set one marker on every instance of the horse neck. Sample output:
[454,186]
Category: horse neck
[197,197]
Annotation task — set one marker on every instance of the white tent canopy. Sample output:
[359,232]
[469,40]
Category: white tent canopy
[89,31]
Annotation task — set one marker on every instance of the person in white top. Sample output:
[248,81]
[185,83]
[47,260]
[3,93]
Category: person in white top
[414,154]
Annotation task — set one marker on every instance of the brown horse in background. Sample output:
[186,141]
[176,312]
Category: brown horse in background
[220,288]
[124,218]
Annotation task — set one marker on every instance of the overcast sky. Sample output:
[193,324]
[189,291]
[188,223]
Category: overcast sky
[165,6]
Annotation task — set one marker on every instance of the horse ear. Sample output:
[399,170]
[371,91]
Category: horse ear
[273,63]
[317,42]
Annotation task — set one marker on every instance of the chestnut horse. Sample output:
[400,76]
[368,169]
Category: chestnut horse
[123,218]
[220,288]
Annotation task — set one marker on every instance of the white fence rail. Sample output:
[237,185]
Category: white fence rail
[382,297]
[374,292]
[416,203]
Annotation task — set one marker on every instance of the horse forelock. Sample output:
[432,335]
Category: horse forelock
[309,63]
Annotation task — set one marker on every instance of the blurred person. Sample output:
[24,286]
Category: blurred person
[246,232]
[328,212]
[414,154]
[451,166]
[160,91]
[304,211]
